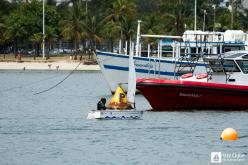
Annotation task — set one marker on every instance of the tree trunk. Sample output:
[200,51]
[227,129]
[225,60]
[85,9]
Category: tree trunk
[16,47]
[4,50]
[35,51]
[232,14]
[38,50]
[75,51]
[112,44]
[50,48]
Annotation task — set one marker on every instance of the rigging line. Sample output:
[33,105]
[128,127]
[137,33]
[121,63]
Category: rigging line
[58,82]
[28,84]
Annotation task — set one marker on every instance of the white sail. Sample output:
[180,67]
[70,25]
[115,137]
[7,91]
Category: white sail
[131,78]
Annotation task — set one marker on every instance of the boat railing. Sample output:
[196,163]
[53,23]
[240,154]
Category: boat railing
[219,65]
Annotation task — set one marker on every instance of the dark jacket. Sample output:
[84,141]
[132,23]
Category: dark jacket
[101,106]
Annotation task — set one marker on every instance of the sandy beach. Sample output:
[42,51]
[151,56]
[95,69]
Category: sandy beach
[60,65]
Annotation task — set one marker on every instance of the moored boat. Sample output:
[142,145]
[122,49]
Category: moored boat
[225,87]
[192,95]
[121,106]
[115,114]
[173,57]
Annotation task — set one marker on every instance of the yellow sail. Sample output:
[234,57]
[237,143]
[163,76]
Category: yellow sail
[119,100]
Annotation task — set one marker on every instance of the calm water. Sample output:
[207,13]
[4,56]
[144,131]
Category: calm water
[51,128]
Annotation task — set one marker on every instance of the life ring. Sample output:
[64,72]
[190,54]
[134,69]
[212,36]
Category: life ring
[187,75]
[201,76]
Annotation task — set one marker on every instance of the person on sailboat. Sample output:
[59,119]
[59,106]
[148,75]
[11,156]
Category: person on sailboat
[101,104]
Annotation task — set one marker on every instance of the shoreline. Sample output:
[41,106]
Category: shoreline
[60,66]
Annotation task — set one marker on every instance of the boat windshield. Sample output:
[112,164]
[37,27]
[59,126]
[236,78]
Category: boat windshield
[243,64]
[225,65]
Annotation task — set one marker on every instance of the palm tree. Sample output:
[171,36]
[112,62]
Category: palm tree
[3,39]
[50,38]
[111,31]
[175,13]
[128,27]
[2,28]
[73,24]
[15,31]
[37,39]
[152,24]
[91,30]
[119,11]
[235,6]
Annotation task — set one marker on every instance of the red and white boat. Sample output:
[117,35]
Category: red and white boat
[224,87]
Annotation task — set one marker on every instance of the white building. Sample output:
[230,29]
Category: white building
[226,4]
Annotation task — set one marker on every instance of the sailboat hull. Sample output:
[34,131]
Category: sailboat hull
[115,114]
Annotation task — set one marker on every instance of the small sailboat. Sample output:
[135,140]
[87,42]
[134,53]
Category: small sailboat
[121,106]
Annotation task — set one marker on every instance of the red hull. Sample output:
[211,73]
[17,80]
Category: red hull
[189,95]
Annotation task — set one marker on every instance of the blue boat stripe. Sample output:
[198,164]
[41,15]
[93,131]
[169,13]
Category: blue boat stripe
[145,58]
[139,70]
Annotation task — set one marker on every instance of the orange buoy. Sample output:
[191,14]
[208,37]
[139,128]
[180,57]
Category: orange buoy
[187,75]
[201,76]
[229,134]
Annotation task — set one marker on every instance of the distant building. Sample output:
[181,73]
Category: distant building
[226,4]
[245,4]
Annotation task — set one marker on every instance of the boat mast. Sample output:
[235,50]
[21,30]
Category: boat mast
[137,46]
[131,79]
[43,42]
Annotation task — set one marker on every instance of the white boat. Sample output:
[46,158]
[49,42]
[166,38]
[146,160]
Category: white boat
[173,58]
[224,87]
[115,114]
[121,106]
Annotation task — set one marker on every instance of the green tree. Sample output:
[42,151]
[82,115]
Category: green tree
[25,23]
[37,39]
[175,14]
[128,28]
[72,25]
[110,32]
[152,24]
[91,29]
[236,6]
[16,30]
[120,12]
[50,38]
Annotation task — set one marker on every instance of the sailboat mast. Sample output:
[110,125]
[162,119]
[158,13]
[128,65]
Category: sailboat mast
[131,78]
[137,47]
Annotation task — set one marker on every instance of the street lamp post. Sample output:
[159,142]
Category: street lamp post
[204,20]
[214,17]
[43,42]
[195,14]
[86,16]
